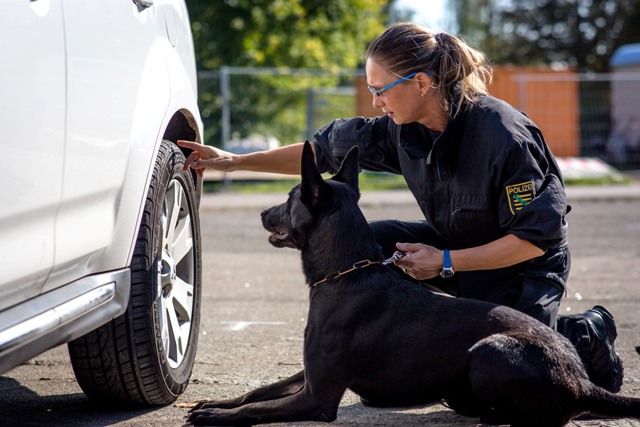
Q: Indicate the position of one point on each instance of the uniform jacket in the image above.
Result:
(488, 174)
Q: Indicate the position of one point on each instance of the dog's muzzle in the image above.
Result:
(272, 219)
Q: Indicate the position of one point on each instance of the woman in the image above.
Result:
(488, 186)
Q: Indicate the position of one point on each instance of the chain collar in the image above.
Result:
(357, 266)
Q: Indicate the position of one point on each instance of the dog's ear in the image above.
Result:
(312, 181)
(349, 169)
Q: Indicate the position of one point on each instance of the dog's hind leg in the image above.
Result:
(465, 402)
(286, 387)
(526, 390)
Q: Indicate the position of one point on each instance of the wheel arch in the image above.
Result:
(183, 125)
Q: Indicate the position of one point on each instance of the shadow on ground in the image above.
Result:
(20, 406)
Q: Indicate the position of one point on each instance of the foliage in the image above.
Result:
(581, 34)
(329, 35)
(284, 33)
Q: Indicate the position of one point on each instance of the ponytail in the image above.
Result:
(406, 47)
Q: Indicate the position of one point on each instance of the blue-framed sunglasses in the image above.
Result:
(378, 92)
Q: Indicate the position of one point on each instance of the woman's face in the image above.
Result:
(402, 102)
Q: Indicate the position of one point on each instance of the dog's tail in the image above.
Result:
(601, 402)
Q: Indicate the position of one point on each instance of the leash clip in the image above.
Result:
(396, 256)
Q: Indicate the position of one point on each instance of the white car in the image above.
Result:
(99, 228)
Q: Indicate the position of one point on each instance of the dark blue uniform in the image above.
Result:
(488, 174)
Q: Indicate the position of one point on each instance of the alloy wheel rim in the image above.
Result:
(176, 273)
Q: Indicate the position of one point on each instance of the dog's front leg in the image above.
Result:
(283, 388)
(302, 406)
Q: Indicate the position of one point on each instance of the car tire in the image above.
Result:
(145, 356)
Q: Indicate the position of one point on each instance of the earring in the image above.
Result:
(422, 94)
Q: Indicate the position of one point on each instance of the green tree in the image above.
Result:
(320, 34)
(578, 33)
(284, 33)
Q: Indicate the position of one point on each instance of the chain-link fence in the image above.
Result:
(266, 103)
(590, 115)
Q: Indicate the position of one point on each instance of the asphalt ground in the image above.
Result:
(255, 305)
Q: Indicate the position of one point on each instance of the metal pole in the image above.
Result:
(522, 92)
(226, 114)
(310, 112)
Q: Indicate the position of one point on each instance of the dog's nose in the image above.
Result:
(263, 213)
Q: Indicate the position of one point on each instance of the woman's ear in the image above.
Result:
(424, 82)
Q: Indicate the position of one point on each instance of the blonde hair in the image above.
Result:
(406, 47)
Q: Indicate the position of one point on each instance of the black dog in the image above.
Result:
(394, 342)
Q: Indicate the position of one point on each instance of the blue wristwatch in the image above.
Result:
(447, 269)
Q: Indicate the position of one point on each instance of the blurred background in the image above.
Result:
(271, 72)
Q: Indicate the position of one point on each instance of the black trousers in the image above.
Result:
(534, 288)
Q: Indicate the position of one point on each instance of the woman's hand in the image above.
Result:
(206, 156)
(422, 261)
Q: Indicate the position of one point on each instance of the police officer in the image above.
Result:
(491, 192)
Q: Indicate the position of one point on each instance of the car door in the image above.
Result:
(107, 45)
(32, 118)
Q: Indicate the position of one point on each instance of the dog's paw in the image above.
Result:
(198, 417)
(209, 417)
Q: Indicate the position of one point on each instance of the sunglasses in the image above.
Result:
(378, 92)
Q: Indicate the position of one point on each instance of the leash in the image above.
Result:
(358, 266)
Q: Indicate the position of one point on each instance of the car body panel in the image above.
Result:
(32, 111)
(95, 216)
(103, 99)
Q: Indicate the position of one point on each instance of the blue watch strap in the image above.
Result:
(447, 259)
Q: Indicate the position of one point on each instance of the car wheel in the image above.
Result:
(146, 356)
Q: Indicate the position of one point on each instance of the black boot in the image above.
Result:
(605, 366)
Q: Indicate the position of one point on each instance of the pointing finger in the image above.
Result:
(188, 144)
(194, 156)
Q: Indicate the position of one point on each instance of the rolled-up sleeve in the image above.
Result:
(333, 141)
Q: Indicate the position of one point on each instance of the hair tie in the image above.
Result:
(439, 38)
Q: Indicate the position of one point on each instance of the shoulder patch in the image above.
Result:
(519, 195)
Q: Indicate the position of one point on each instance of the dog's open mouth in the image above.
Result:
(279, 235)
(276, 221)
